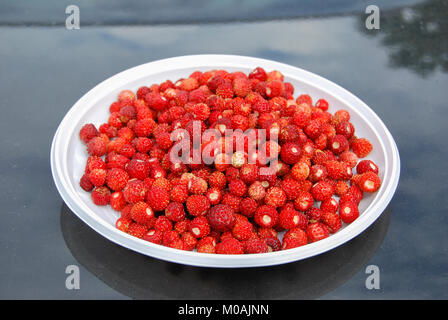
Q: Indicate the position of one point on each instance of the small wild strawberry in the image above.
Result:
(277, 184)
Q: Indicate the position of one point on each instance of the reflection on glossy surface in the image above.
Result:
(44, 71)
(416, 37)
(136, 12)
(142, 277)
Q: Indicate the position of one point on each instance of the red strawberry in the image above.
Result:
(182, 226)
(340, 116)
(171, 239)
(349, 157)
(289, 133)
(197, 186)
(179, 193)
(205, 248)
(346, 171)
(322, 190)
(123, 224)
(290, 218)
(162, 183)
(317, 231)
(164, 141)
(237, 187)
(163, 224)
(117, 179)
(318, 172)
(137, 230)
(274, 88)
(97, 146)
(221, 217)
(366, 166)
(211, 240)
(242, 230)
(126, 96)
(189, 241)
(273, 244)
(331, 220)
(369, 182)
(300, 171)
(232, 201)
(175, 211)
(266, 216)
(361, 147)
(206, 245)
(98, 177)
(214, 196)
(155, 101)
(87, 132)
(334, 169)
(229, 246)
(138, 169)
(346, 129)
(217, 179)
(290, 152)
(291, 188)
(101, 196)
(158, 198)
(199, 227)
(197, 205)
(241, 87)
(330, 205)
(304, 201)
(348, 211)
(85, 183)
(144, 127)
(256, 191)
(294, 238)
(142, 213)
(117, 201)
(313, 129)
(341, 188)
(225, 90)
(322, 104)
(255, 245)
(267, 233)
(126, 211)
(304, 98)
(115, 160)
(187, 84)
(355, 193)
(338, 144)
(275, 197)
(154, 236)
(248, 207)
(313, 214)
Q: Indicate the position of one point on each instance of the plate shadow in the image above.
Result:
(141, 277)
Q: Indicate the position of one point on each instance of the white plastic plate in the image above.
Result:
(68, 155)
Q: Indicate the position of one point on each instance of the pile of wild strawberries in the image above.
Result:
(229, 206)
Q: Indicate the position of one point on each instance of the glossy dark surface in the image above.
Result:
(400, 71)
